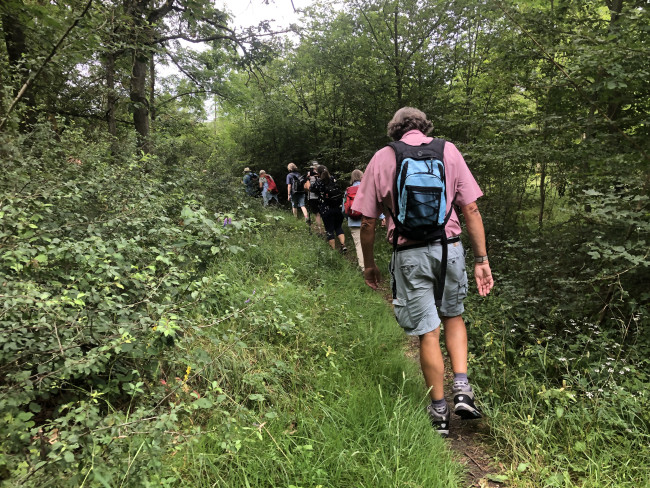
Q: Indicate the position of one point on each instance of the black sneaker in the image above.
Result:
(440, 421)
(464, 405)
(344, 249)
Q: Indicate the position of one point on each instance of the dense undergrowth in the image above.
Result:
(158, 329)
(561, 350)
(158, 333)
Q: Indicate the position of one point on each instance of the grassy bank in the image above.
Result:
(308, 378)
(158, 330)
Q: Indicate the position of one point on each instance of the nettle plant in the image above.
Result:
(100, 263)
(568, 360)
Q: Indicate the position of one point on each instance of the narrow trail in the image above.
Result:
(469, 440)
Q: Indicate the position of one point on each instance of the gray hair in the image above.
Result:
(356, 175)
(406, 119)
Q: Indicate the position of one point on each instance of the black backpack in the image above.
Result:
(331, 195)
(298, 184)
(420, 190)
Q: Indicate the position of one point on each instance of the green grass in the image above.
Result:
(566, 409)
(335, 401)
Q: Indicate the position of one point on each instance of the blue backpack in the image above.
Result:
(421, 199)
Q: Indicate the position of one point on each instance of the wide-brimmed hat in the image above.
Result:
(246, 170)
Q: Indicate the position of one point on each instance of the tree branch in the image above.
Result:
(232, 36)
(194, 92)
(31, 79)
(158, 14)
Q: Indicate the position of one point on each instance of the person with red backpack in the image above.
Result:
(354, 217)
(269, 188)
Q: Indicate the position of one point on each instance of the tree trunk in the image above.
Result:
(613, 107)
(398, 71)
(111, 98)
(542, 195)
(139, 98)
(152, 87)
(17, 52)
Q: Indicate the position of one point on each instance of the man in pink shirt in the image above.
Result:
(416, 264)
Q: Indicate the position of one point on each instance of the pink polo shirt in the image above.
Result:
(378, 184)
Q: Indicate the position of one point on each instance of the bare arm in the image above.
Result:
(367, 236)
(474, 223)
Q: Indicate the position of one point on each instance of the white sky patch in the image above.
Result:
(248, 13)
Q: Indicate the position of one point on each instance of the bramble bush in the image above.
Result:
(100, 262)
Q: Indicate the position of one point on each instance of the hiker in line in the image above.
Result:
(416, 264)
(296, 191)
(312, 198)
(354, 218)
(250, 182)
(329, 206)
(269, 190)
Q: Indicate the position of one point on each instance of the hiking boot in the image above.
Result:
(440, 421)
(464, 405)
(344, 249)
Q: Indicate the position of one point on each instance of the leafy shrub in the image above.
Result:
(100, 262)
(561, 350)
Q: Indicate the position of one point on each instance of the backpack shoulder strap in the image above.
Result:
(402, 150)
(438, 145)
(398, 147)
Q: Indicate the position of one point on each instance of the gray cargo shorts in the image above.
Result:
(416, 274)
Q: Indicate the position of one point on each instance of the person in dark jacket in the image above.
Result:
(329, 206)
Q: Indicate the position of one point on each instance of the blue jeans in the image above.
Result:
(268, 196)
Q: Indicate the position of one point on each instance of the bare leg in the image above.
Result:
(456, 342)
(431, 362)
(304, 212)
(332, 243)
(342, 239)
(356, 238)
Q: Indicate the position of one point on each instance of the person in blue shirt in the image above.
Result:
(297, 197)
(250, 182)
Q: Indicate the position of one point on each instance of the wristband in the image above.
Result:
(480, 259)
